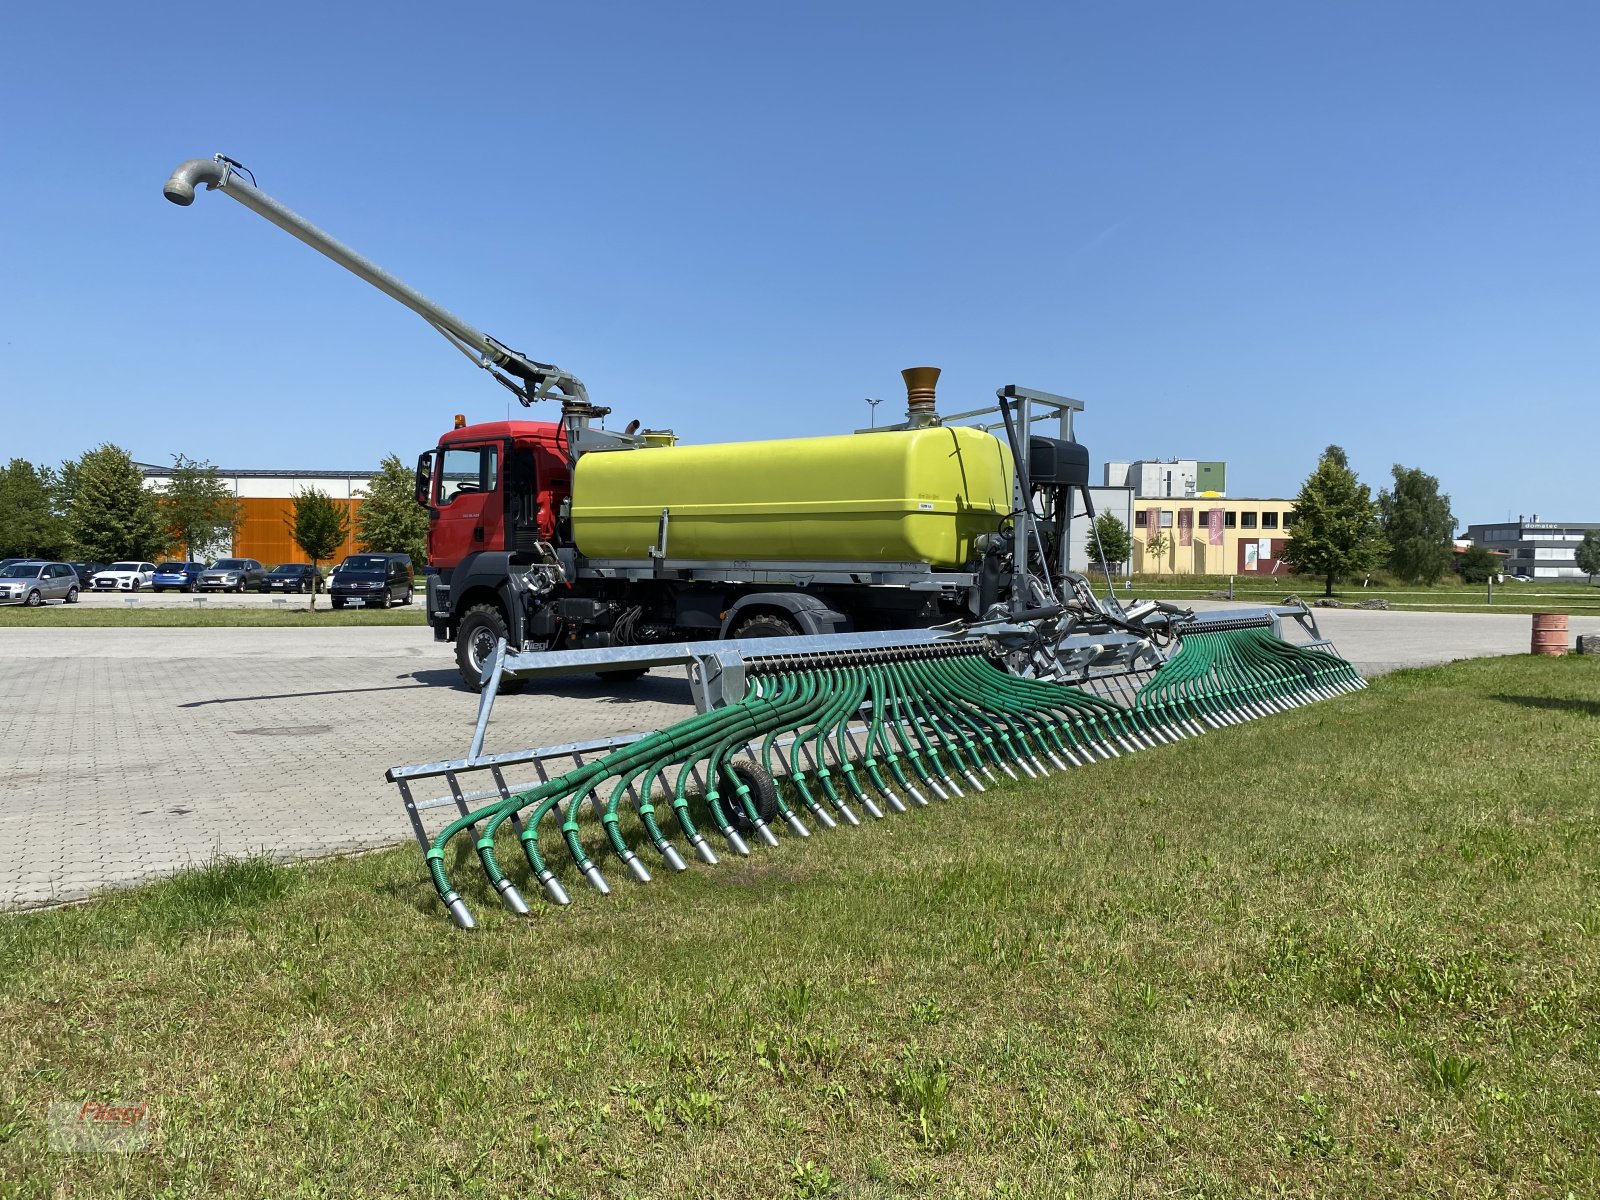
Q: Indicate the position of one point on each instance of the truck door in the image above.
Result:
(468, 504)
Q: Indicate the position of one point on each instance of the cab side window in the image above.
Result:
(468, 472)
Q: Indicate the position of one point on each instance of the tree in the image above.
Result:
(1111, 542)
(28, 523)
(319, 527)
(1336, 529)
(390, 520)
(1478, 565)
(1156, 548)
(1589, 554)
(1418, 525)
(114, 516)
(198, 506)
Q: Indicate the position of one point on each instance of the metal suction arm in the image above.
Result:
(530, 380)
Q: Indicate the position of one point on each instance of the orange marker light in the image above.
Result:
(461, 420)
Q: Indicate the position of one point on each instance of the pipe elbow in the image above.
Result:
(181, 184)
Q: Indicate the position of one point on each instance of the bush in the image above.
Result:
(1477, 565)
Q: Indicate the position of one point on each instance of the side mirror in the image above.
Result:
(424, 477)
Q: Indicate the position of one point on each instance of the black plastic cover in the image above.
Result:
(1053, 461)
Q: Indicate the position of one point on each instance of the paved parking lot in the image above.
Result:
(127, 753)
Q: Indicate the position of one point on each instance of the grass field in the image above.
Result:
(1351, 950)
(58, 616)
(1575, 599)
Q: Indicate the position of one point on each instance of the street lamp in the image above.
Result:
(874, 404)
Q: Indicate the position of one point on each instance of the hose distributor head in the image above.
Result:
(920, 410)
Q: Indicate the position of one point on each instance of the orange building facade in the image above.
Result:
(266, 504)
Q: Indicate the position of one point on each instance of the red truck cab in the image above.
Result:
(498, 486)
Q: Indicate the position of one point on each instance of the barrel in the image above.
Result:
(1550, 634)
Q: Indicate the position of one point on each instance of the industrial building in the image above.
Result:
(1535, 548)
(266, 503)
(1212, 536)
(1169, 478)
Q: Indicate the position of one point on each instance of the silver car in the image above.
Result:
(36, 583)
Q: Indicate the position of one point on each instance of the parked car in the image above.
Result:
(87, 571)
(183, 576)
(35, 583)
(124, 577)
(232, 575)
(363, 579)
(292, 577)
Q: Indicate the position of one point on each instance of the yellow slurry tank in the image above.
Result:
(916, 495)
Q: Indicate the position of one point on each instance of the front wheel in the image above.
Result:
(72, 595)
(137, 584)
(480, 629)
(35, 599)
(189, 587)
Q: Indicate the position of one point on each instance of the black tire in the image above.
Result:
(72, 595)
(35, 599)
(137, 584)
(299, 589)
(623, 674)
(190, 587)
(408, 596)
(765, 625)
(481, 627)
(763, 794)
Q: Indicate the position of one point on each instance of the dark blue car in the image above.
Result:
(184, 576)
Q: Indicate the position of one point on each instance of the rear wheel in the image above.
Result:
(765, 625)
(408, 597)
(72, 595)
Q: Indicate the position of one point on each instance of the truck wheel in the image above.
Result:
(763, 794)
(480, 629)
(765, 625)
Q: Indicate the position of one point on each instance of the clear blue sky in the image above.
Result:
(1235, 231)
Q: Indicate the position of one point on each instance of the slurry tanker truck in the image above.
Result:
(562, 535)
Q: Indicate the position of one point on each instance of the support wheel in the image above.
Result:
(765, 625)
(72, 595)
(763, 794)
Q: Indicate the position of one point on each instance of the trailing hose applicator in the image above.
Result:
(871, 729)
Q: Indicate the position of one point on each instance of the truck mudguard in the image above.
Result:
(812, 614)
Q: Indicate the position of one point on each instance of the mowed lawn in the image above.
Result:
(1352, 950)
(1575, 598)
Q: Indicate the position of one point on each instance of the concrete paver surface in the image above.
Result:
(129, 753)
